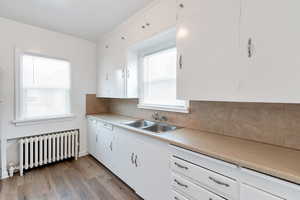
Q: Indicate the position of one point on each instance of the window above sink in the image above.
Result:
(158, 74)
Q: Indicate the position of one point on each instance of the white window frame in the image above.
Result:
(141, 104)
(18, 121)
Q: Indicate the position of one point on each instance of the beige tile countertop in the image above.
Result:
(273, 160)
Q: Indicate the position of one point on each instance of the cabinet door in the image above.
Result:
(119, 64)
(106, 149)
(92, 137)
(132, 75)
(136, 29)
(160, 17)
(104, 66)
(250, 193)
(125, 144)
(208, 48)
(270, 29)
(111, 65)
(152, 169)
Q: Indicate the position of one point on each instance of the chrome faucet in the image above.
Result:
(157, 117)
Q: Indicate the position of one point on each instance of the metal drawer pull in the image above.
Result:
(110, 146)
(250, 50)
(180, 62)
(135, 161)
(132, 155)
(219, 182)
(180, 184)
(176, 198)
(181, 166)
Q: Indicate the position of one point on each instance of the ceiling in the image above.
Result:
(87, 19)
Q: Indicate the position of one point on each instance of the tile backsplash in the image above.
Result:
(96, 105)
(277, 124)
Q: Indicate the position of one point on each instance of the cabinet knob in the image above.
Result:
(181, 5)
(128, 73)
(148, 24)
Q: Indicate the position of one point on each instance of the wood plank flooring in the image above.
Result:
(84, 179)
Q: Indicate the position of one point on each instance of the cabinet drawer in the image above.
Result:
(250, 193)
(177, 196)
(217, 183)
(271, 185)
(108, 126)
(191, 190)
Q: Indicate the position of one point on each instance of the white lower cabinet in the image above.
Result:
(152, 169)
(200, 177)
(192, 190)
(156, 170)
(251, 193)
(92, 136)
(221, 184)
(105, 145)
(140, 161)
(177, 196)
(255, 185)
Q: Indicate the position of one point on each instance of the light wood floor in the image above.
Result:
(68, 180)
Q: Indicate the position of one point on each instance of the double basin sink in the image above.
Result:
(155, 127)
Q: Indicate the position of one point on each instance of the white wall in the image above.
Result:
(81, 54)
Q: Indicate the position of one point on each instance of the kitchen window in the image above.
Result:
(42, 88)
(158, 81)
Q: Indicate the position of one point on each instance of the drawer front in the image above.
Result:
(219, 166)
(269, 184)
(217, 183)
(177, 196)
(191, 190)
(250, 193)
(108, 126)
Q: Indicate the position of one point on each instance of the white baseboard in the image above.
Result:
(83, 153)
(4, 175)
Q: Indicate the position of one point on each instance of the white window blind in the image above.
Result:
(44, 87)
(159, 80)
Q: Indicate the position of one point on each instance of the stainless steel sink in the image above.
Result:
(140, 123)
(160, 128)
(155, 127)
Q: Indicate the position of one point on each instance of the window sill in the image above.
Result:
(165, 108)
(43, 120)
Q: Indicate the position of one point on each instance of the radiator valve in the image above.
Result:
(11, 169)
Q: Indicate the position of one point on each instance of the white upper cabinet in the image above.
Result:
(117, 68)
(114, 74)
(160, 17)
(208, 48)
(156, 18)
(270, 51)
